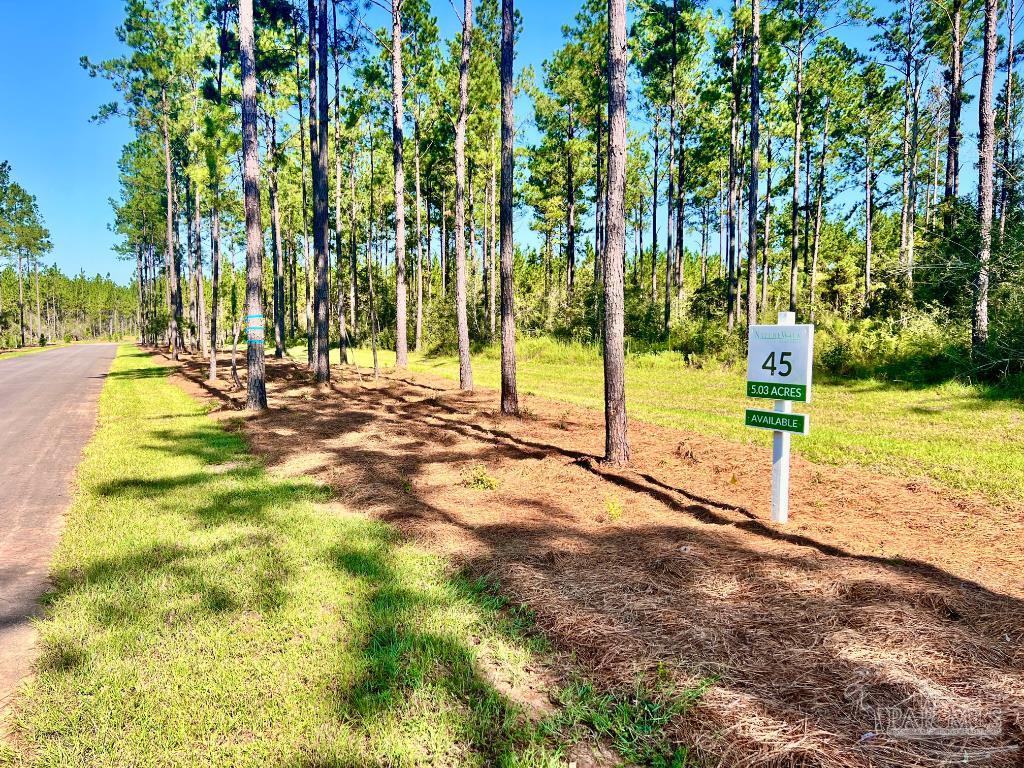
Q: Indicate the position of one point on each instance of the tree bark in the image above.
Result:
(353, 255)
(21, 296)
(173, 284)
(419, 240)
(305, 205)
(339, 251)
(680, 258)
(492, 239)
(257, 391)
(794, 235)
(767, 236)
(509, 391)
(654, 214)
(398, 159)
(986, 151)
(755, 148)
(465, 368)
(444, 243)
(1008, 127)
(321, 223)
(819, 209)
(955, 77)
(570, 209)
(616, 443)
(868, 214)
(733, 287)
(670, 200)
(214, 283)
(275, 237)
(905, 141)
(140, 294)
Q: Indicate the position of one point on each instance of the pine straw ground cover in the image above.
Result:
(883, 627)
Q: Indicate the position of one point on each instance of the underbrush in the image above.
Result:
(921, 350)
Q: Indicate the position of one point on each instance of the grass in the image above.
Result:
(965, 437)
(206, 612)
(632, 721)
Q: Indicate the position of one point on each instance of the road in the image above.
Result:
(47, 415)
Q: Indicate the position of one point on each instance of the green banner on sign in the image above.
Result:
(797, 423)
(795, 392)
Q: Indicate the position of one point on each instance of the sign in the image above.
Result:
(780, 361)
(797, 423)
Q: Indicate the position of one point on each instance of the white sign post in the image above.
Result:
(779, 367)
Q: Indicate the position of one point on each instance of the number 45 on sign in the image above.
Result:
(779, 367)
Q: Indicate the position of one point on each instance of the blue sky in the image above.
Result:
(70, 164)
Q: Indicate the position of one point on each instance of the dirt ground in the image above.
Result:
(884, 626)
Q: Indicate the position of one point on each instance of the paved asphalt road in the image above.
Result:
(47, 415)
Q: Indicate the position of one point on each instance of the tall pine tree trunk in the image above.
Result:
(680, 257)
(214, 282)
(1008, 126)
(794, 234)
(509, 391)
(986, 151)
(465, 369)
(353, 255)
(493, 238)
(275, 237)
(570, 209)
(734, 160)
(173, 283)
(321, 224)
(955, 76)
(869, 184)
(616, 443)
(398, 159)
(305, 204)
(419, 240)
(339, 250)
(755, 148)
(819, 208)
(21, 297)
(257, 390)
(197, 223)
(654, 213)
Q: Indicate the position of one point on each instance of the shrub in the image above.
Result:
(922, 349)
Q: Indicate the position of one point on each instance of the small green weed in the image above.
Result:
(613, 508)
(478, 479)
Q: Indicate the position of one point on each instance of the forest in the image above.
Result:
(39, 304)
(810, 157)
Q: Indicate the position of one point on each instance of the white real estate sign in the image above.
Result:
(780, 360)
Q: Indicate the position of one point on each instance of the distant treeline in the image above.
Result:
(50, 305)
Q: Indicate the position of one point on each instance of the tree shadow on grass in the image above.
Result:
(229, 549)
